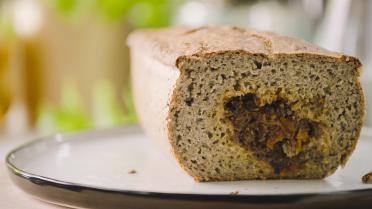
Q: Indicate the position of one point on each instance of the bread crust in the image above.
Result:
(172, 45)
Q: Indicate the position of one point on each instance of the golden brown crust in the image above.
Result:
(169, 45)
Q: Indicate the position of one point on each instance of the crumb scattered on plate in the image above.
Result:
(367, 178)
(234, 193)
(132, 171)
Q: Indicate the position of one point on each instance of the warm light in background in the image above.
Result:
(27, 17)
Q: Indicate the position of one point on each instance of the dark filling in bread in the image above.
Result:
(272, 132)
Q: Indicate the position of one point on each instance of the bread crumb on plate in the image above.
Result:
(234, 193)
(367, 178)
(132, 171)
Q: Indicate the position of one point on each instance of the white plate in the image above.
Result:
(97, 165)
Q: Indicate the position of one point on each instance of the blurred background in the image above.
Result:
(64, 64)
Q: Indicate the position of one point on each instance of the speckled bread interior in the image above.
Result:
(234, 104)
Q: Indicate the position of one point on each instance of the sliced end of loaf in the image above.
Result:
(235, 115)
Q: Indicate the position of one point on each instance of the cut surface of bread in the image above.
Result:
(247, 104)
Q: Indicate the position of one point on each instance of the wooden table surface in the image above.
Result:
(11, 197)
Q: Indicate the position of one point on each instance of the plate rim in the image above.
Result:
(251, 198)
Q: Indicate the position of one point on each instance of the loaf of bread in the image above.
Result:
(235, 104)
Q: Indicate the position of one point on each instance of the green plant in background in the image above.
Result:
(72, 115)
(66, 6)
(69, 116)
(130, 116)
(106, 110)
(140, 13)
